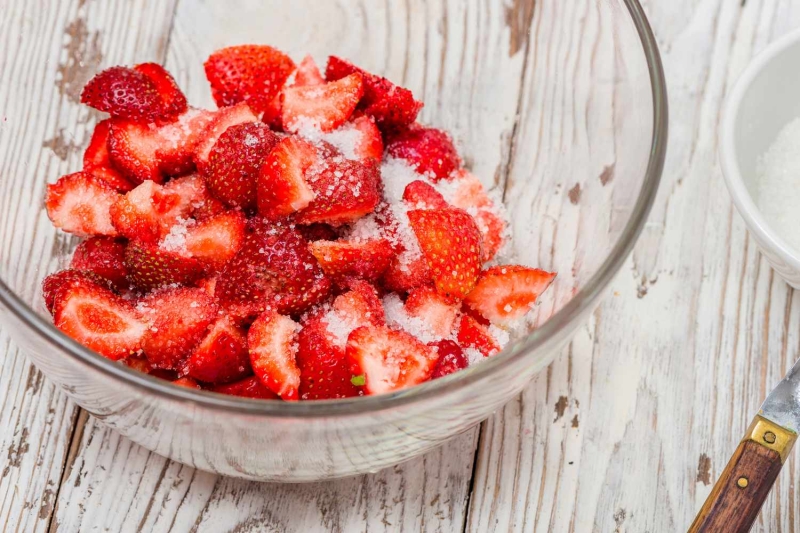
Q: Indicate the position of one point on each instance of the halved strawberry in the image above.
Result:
(124, 92)
(451, 245)
(272, 270)
(96, 160)
(391, 106)
(222, 356)
(247, 388)
(132, 149)
(362, 259)
(103, 256)
(178, 140)
(79, 203)
(471, 334)
(438, 312)
(428, 150)
(54, 282)
(215, 240)
(149, 211)
(404, 276)
(345, 191)
(323, 107)
(308, 73)
(177, 320)
(468, 193)
(222, 120)
(150, 267)
(97, 318)
(451, 358)
(324, 370)
(370, 143)
(389, 360)
(359, 306)
(272, 342)
(188, 383)
(281, 186)
(505, 293)
(191, 197)
(421, 195)
(173, 101)
(235, 160)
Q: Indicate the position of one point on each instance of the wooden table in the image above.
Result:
(626, 431)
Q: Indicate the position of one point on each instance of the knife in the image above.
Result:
(740, 491)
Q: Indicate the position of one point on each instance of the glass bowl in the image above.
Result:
(561, 106)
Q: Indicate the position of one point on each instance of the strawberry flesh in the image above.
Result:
(428, 150)
(222, 356)
(438, 312)
(79, 203)
(219, 124)
(421, 195)
(472, 334)
(272, 342)
(345, 191)
(281, 184)
(451, 358)
(324, 370)
(308, 73)
(340, 259)
(97, 161)
(216, 240)
(55, 282)
(103, 256)
(503, 294)
(322, 107)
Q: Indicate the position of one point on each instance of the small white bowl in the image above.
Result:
(763, 101)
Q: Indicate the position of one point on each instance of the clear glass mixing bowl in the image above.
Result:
(561, 105)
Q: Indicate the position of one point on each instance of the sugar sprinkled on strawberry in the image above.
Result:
(504, 294)
(428, 150)
(272, 341)
(79, 203)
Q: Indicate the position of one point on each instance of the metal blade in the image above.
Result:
(782, 406)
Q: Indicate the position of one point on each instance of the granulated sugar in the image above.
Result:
(779, 184)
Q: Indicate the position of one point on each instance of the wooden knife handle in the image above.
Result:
(739, 493)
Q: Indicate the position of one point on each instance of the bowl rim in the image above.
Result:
(729, 163)
(574, 309)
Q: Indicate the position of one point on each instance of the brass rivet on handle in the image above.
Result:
(742, 482)
(769, 437)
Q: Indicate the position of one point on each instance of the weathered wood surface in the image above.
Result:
(626, 431)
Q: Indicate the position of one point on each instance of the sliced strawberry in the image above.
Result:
(472, 334)
(389, 360)
(208, 284)
(235, 160)
(54, 282)
(247, 73)
(391, 106)
(360, 306)
(188, 383)
(79, 203)
(364, 259)
(438, 312)
(469, 194)
(96, 159)
(322, 107)
(308, 73)
(505, 293)
(272, 270)
(428, 150)
(216, 240)
(405, 276)
(178, 319)
(281, 185)
(369, 144)
(451, 358)
(421, 195)
(124, 92)
(222, 356)
(493, 229)
(345, 191)
(272, 341)
(247, 388)
(190, 196)
(318, 232)
(173, 101)
(272, 114)
(150, 267)
(132, 149)
(179, 139)
(451, 245)
(139, 362)
(324, 370)
(97, 318)
(222, 120)
(103, 256)
(149, 211)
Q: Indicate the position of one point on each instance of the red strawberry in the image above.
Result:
(429, 150)
(470, 195)
(451, 358)
(451, 245)
(308, 73)
(421, 195)
(149, 211)
(178, 140)
(324, 370)
(345, 191)
(188, 383)
(79, 203)
(323, 107)
(360, 306)
(272, 270)
(438, 312)
(391, 106)
(55, 282)
(208, 284)
(173, 101)
(235, 160)
(247, 388)
(272, 343)
(191, 197)
(140, 363)
(318, 232)
(247, 73)
(272, 114)
(471, 334)
(222, 356)
(340, 259)
(151, 267)
(506, 293)
(124, 92)
(403, 277)
(103, 256)
(178, 319)
(222, 120)
(389, 360)
(97, 318)
(281, 186)
(132, 149)
(96, 160)
(215, 240)
(370, 143)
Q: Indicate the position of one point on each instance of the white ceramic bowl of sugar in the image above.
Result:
(761, 170)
